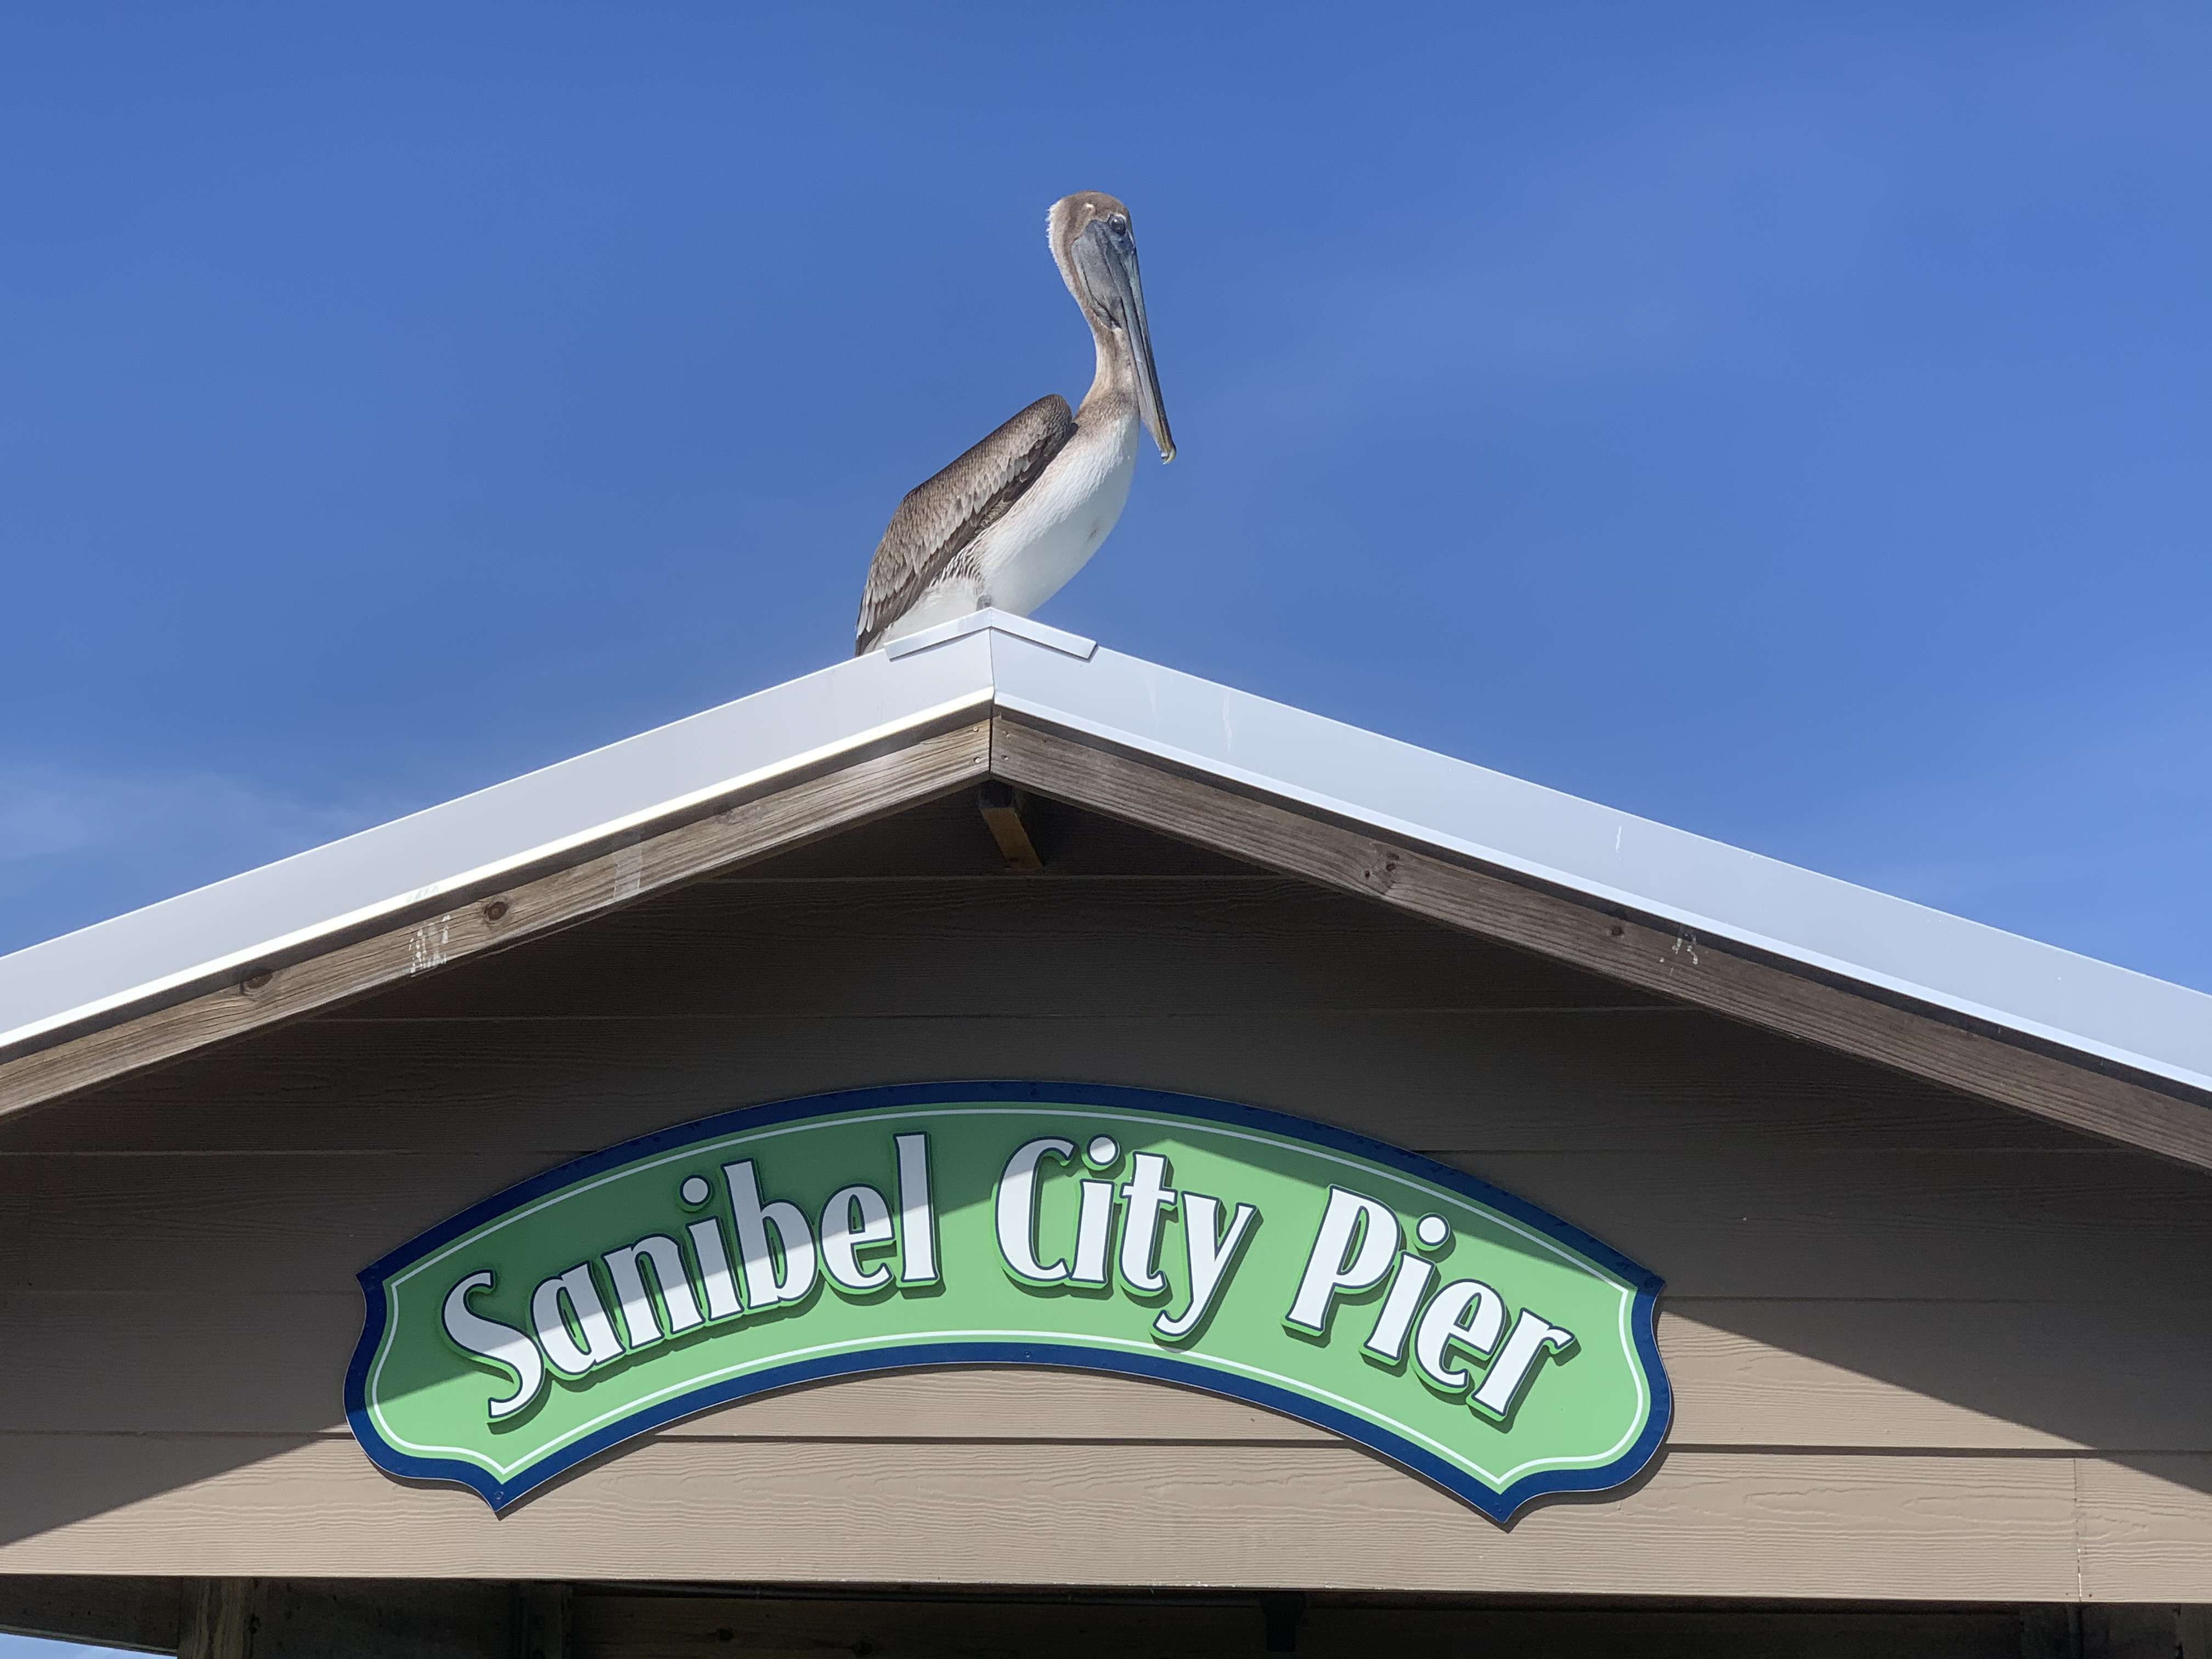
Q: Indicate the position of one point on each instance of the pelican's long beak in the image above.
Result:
(1108, 260)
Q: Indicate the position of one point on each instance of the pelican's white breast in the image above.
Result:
(1051, 532)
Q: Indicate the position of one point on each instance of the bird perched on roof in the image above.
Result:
(1009, 522)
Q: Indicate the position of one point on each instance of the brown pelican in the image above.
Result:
(1009, 522)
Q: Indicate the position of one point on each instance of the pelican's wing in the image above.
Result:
(939, 518)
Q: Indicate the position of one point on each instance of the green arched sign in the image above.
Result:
(1466, 1334)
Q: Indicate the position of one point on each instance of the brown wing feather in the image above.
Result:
(943, 515)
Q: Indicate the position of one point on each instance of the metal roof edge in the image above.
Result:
(1705, 887)
(993, 622)
(2056, 998)
(279, 908)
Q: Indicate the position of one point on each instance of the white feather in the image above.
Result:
(1048, 535)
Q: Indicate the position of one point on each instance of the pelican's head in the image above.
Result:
(1096, 253)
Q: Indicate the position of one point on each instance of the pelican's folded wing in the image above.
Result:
(942, 516)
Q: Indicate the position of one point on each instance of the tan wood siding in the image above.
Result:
(1661, 1080)
(1910, 1332)
(2047, 1227)
(2146, 1522)
(1874, 1376)
(1704, 1523)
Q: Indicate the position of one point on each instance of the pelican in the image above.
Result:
(1009, 522)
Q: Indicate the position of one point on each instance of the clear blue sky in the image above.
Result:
(1790, 422)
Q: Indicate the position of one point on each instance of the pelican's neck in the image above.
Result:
(1114, 382)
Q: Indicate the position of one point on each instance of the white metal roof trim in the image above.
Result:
(1703, 886)
(478, 838)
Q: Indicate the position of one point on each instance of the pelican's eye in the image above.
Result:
(1118, 220)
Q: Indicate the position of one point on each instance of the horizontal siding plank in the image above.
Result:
(1997, 1225)
(1014, 946)
(2012, 1376)
(1659, 1081)
(1316, 1516)
(2146, 1529)
(1887, 1376)
(2000, 1226)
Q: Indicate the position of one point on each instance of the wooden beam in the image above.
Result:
(1002, 805)
(1653, 955)
(619, 1625)
(312, 1618)
(116, 1612)
(433, 1618)
(2139, 1630)
(544, 1615)
(218, 1618)
(744, 828)
(615, 1624)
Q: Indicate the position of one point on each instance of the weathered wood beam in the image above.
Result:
(745, 828)
(218, 1618)
(116, 1612)
(316, 1617)
(2114, 1631)
(1003, 809)
(1706, 973)
(542, 1615)
(613, 1624)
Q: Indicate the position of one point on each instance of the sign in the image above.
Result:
(1464, 1333)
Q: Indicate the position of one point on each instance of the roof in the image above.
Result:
(1006, 673)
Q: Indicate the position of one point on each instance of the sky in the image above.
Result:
(1789, 423)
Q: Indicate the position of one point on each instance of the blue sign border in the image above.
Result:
(1499, 1506)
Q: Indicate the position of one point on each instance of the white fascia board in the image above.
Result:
(1706, 888)
(475, 841)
